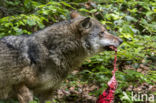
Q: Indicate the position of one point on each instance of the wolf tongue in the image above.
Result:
(113, 47)
(108, 95)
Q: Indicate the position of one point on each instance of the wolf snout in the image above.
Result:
(112, 43)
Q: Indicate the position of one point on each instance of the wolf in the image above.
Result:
(35, 65)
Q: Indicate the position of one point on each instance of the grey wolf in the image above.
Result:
(35, 65)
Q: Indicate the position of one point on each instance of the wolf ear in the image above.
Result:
(86, 23)
(74, 14)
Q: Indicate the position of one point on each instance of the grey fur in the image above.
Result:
(40, 62)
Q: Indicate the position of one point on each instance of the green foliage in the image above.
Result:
(44, 15)
(16, 25)
(132, 20)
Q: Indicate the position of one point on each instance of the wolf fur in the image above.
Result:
(36, 64)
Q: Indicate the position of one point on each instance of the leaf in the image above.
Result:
(18, 30)
(130, 18)
(93, 11)
(33, 102)
(27, 3)
(128, 29)
(66, 4)
(7, 24)
(115, 16)
(41, 26)
(82, 9)
(31, 22)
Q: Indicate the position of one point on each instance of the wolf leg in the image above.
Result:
(46, 96)
(24, 94)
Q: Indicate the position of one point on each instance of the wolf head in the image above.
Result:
(94, 37)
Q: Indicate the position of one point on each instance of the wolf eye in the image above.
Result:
(101, 34)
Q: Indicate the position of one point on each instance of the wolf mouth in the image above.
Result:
(110, 48)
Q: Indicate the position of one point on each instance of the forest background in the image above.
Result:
(132, 20)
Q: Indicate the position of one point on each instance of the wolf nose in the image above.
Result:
(120, 41)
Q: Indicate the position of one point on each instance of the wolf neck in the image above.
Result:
(74, 54)
(69, 52)
(63, 46)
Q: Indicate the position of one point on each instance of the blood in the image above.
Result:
(108, 95)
